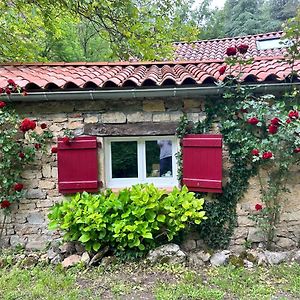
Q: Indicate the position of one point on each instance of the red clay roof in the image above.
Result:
(199, 64)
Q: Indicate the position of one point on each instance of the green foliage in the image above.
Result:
(136, 219)
(19, 146)
(91, 30)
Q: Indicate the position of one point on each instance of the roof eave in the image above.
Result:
(142, 93)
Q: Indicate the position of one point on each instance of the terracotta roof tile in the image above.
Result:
(197, 62)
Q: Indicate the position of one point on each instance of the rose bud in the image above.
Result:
(231, 51)
(5, 204)
(54, 150)
(222, 70)
(253, 121)
(18, 187)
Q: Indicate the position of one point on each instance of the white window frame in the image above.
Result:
(141, 153)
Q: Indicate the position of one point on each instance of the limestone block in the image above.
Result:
(196, 117)
(53, 193)
(16, 240)
(28, 174)
(47, 185)
(44, 204)
(36, 242)
(46, 171)
(153, 105)
(36, 218)
(173, 104)
(163, 117)
(245, 221)
(74, 125)
(25, 229)
(91, 119)
(176, 116)
(90, 105)
(35, 194)
(59, 118)
(113, 117)
(27, 206)
(54, 172)
(255, 235)
(286, 243)
(139, 117)
(192, 103)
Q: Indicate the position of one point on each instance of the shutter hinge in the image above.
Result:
(99, 145)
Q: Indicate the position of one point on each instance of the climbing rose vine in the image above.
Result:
(266, 131)
(20, 140)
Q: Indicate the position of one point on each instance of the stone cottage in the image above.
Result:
(134, 106)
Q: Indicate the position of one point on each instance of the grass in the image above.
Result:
(138, 281)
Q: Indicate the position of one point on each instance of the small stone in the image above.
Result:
(197, 259)
(35, 219)
(114, 117)
(85, 258)
(255, 235)
(56, 259)
(35, 194)
(219, 258)
(169, 253)
(153, 105)
(51, 253)
(275, 258)
(46, 171)
(71, 261)
(248, 264)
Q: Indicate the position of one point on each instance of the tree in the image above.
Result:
(142, 29)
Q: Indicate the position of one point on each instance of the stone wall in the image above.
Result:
(27, 225)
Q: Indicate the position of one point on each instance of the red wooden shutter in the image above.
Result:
(77, 165)
(202, 162)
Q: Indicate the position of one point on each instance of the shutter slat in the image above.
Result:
(202, 162)
(77, 165)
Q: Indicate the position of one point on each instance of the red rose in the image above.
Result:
(21, 155)
(258, 206)
(231, 51)
(1, 90)
(18, 187)
(294, 114)
(267, 155)
(24, 93)
(288, 121)
(253, 121)
(37, 146)
(66, 140)
(297, 150)
(7, 91)
(5, 204)
(255, 152)
(43, 125)
(27, 124)
(222, 70)
(11, 82)
(272, 129)
(2, 104)
(54, 150)
(243, 48)
(275, 121)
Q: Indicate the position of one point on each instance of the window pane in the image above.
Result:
(124, 159)
(159, 158)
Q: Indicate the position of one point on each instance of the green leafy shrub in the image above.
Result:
(138, 218)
